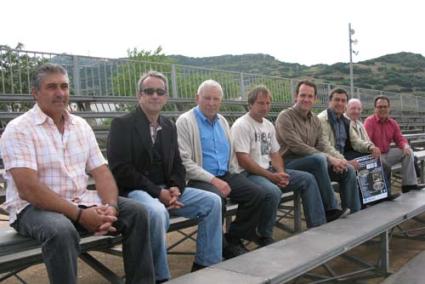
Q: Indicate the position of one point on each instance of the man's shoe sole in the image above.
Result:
(345, 213)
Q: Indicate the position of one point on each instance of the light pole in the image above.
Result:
(351, 42)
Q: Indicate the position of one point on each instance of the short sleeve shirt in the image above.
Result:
(255, 138)
(33, 141)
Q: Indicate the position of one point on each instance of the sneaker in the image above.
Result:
(264, 241)
(333, 214)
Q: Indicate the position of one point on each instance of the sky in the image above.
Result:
(298, 31)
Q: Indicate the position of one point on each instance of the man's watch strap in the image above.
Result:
(114, 205)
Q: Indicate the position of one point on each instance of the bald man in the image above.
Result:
(353, 112)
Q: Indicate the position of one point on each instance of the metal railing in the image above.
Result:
(95, 76)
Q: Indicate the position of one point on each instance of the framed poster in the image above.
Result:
(371, 179)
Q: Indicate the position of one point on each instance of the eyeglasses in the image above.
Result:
(151, 91)
(381, 107)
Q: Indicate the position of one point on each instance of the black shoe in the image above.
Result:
(393, 196)
(333, 214)
(264, 241)
(196, 267)
(407, 188)
(233, 248)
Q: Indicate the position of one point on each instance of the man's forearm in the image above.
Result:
(277, 162)
(248, 164)
(39, 194)
(105, 185)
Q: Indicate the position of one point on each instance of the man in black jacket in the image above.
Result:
(144, 158)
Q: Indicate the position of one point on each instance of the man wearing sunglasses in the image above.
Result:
(144, 158)
(47, 153)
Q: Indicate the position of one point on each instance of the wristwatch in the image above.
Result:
(116, 208)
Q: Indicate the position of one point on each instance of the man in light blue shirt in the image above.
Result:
(215, 147)
(206, 150)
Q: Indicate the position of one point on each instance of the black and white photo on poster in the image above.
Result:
(371, 179)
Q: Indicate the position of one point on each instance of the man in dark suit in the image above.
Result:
(144, 158)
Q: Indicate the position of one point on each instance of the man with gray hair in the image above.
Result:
(144, 157)
(46, 153)
(353, 112)
(206, 148)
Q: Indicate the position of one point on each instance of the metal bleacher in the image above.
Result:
(103, 89)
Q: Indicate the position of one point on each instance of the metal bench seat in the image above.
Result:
(290, 258)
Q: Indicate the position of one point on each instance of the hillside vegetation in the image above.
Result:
(402, 72)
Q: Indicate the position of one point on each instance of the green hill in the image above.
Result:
(402, 72)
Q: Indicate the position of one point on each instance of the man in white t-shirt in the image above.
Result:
(257, 151)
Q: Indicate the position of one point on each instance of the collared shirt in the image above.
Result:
(382, 133)
(154, 129)
(300, 135)
(214, 144)
(339, 131)
(33, 141)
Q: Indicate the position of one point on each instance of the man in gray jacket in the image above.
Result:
(207, 153)
(345, 142)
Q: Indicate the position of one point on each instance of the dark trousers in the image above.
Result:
(351, 155)
(59, 239)
(250, 199)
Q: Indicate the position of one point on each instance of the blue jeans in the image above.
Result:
(317, 165)
(348, 188)
(298, 181)
(198, 204)
(59, 238)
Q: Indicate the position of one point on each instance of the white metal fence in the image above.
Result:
(94, 76)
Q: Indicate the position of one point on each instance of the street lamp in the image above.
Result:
(351, 42)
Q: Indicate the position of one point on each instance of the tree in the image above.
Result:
(16, 71)
(138, 62)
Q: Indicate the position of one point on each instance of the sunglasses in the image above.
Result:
(151, 91)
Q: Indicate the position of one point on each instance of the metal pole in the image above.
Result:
(242, 86)
(351, 60)
(174, 81)
(76, 75)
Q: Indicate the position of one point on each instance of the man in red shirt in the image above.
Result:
(384, 130)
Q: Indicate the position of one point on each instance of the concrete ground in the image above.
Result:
(402, 250)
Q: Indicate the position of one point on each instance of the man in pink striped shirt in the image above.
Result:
(46, 153)
(383, 130)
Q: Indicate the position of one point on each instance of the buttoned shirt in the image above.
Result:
(154, 129)
(214, 144)
(339, 131)
(299, 134)
(383, 132)
(33, 141)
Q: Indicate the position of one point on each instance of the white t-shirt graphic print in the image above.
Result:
(255, 138)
